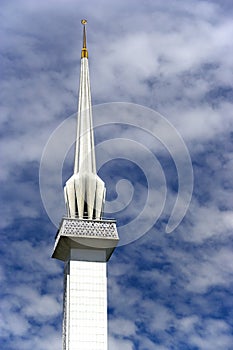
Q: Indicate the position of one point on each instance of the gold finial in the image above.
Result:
(84, 52)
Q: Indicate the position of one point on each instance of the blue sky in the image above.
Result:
(166, 291)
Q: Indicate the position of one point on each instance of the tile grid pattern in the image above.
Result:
(85, 306)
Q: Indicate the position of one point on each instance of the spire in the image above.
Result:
(84, 191)
(84, 52)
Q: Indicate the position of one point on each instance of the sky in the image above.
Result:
(162, 91)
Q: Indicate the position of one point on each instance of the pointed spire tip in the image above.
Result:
(84, 52)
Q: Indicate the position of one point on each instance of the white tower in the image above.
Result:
(84, 240)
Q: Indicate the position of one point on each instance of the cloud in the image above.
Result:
(31, 299)
(125, 344)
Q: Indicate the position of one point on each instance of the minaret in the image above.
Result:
(85, 241)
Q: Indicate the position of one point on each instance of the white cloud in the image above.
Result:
(216, 334)
(122, 327)
(115, 344)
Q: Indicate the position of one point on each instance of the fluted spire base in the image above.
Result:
(84, 196)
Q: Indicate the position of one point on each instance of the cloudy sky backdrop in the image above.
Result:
(166, 291)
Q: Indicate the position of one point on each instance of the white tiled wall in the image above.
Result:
(86, 306)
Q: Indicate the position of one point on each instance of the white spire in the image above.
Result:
(84, 191)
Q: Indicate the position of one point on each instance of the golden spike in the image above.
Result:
(84, 52)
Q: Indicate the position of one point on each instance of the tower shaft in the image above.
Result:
(84, 240)
(85, 303)
(85, 246)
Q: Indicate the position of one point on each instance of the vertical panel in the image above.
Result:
(86, 306)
